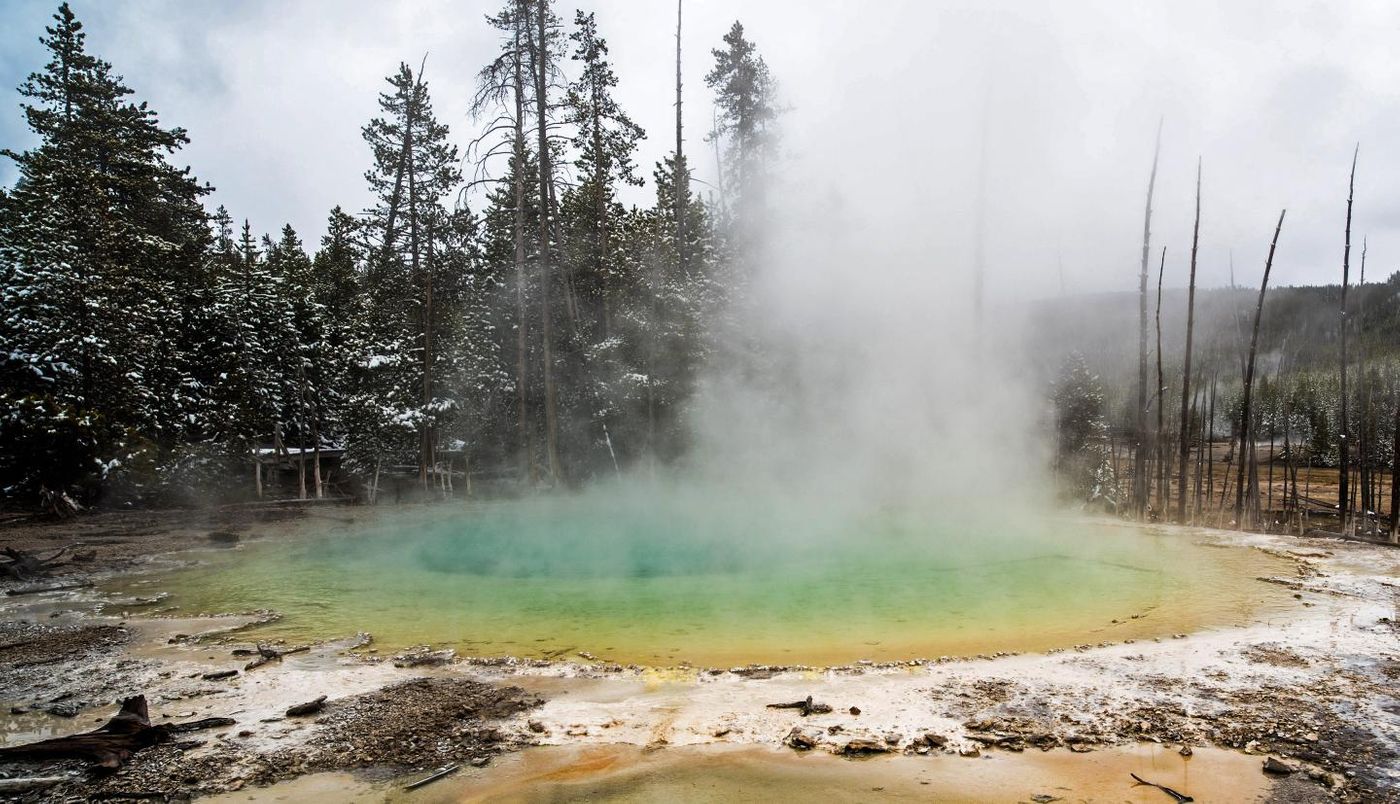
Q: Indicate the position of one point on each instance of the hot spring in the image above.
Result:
(675, 579)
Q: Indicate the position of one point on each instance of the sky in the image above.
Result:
(897, 112)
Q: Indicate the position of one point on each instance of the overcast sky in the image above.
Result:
(891, 105)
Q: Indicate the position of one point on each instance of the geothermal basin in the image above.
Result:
(684, 581)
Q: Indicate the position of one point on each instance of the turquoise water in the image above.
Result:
(671, 581)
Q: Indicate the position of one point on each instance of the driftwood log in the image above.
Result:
(308, 708)
(58, 503)
(1180, 798)
(22, 566)
(267, 653)
(806, 707)
(113, 744)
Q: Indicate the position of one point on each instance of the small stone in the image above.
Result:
(63, 710)
(478, 762)
(970, 752)
(1278, 767)
(1186, 751)
(800, 740)
(535, 726)
(855, 710)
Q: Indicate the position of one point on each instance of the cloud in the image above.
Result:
(888, 103)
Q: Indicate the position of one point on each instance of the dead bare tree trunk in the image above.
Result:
(1246, 442)
(1158, 450)
(1184, 449)
(316, 449)
(1395, 466)
(113, 744)
(680, 180)
(1343, 499)
(522, 376)
(1140, 420)
(427, 457)
(551, 414)
(1210, 442)
(415, 264)
(1364, 434)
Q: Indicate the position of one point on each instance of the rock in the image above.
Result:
(722, 732)
(800, 740)
(892, 738)
(1186, 751)
(223, 537)
(424, 656)
(971, 751)
(855, 710)
(219, 674)
(935, 740)
(480, 762)
(860, 746)
(535, 726)
(1278, 767)
(63, 710)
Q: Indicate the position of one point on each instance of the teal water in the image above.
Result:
(670, 582)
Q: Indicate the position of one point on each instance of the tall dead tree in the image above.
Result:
(425, 449)
(1395, 466)
(1343, 500)
(680, 180)
(1246, 451)
(1140, 420)
(540, 50)
(1364, 434)
(1159, 452)
(522, 374)
(1184, 447)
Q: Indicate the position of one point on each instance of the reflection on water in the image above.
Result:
(667, 583)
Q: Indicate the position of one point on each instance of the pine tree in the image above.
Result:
(745, 96)
(605, 140)
(1080, 428)
(415, 169)
(102, 238)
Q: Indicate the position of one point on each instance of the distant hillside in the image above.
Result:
(1299, 328)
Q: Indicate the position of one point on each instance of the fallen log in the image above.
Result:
(308, 708)
(112, 744)
(806, 707)
(23, 566)
(1180, 798)
(28, 784)
(427, 780)
(266, 653)
(39, 590)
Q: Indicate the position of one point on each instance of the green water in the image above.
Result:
(717, 583)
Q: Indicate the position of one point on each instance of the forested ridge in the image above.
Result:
(497, 315)
(1300, 386)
